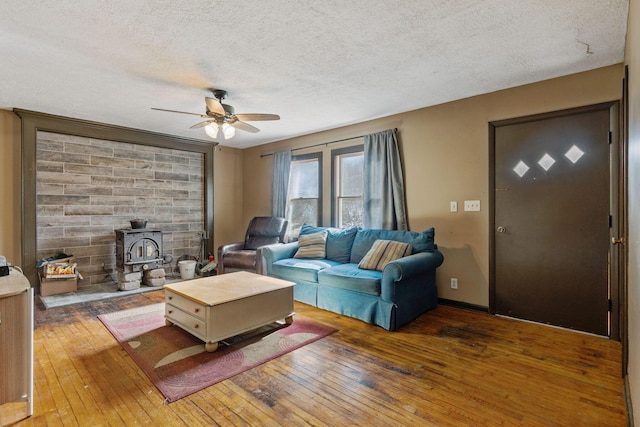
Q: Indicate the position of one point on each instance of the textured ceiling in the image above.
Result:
(319, 64)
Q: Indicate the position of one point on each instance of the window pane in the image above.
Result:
(348, 186)
(304, 192)
(351, 174)
(302, 211)
(350, 212)
(303, 179)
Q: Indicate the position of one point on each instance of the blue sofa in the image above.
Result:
(403, 290)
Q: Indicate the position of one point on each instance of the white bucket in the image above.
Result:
(187, 269)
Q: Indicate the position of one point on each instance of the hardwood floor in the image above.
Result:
(450, 367)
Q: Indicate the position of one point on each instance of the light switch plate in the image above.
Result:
(453, 206)
(472, 205)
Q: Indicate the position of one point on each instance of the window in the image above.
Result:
(348, 178)
(305, 189)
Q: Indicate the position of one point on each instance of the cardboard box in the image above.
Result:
(57, 286)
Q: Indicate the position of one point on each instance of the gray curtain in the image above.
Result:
(280, 183)
(384, 202)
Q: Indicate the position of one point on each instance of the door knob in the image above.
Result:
(617, 241)
(502, 229)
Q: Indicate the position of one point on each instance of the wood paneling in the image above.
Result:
(32, 123)
(450, 367)
(86, 190)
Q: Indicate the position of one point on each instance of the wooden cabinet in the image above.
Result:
(16, 340)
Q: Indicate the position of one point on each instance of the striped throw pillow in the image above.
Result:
(312, 245)
(383, 252)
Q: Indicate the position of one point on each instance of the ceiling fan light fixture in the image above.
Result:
(228, 131)
(212, 130)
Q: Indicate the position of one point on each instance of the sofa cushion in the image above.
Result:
(383, 252)
(339, 241)
(349, 276)
(420, 242)
(296, 269)
(312, 245)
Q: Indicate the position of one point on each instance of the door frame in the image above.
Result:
(623, 255)
(616, 166)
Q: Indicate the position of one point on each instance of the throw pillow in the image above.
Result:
(339, 241)
(312, 245)
(383, 252)
(420, 242)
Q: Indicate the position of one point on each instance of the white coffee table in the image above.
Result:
(218, 307)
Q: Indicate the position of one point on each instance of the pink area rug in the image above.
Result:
(176, 361)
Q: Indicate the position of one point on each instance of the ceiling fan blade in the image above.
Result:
(215, 106)
(244, 126)
(202, 124)
(181, 112)
(257, 117)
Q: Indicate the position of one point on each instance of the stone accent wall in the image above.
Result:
(87, 188)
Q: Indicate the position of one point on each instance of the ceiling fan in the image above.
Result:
(221, 120)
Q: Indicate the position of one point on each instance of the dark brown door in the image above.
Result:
(551, 219)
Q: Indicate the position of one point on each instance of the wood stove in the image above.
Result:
(138, 249)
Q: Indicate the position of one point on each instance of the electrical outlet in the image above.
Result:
(472, 205)
(454, 283)
(453, 206)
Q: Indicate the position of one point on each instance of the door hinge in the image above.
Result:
(610, 137)
(610, 306)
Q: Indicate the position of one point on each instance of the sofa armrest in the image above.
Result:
(261, 264)
(272, 253)
(411, 271)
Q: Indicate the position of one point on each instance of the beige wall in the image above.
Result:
(228, 225)
(632, 59)
(10, 187)
(445, 153)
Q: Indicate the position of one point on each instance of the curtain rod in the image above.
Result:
(323, 143)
